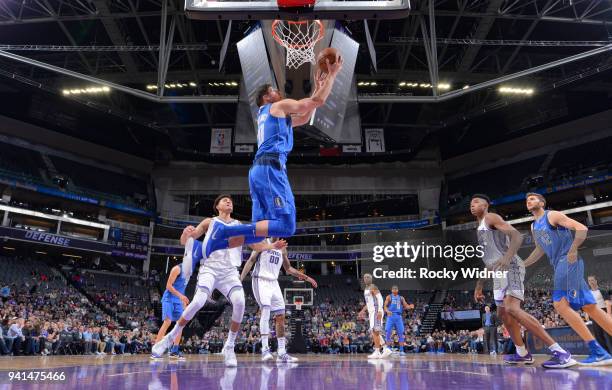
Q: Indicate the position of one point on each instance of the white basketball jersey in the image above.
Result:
(269, 264)
(227, 258)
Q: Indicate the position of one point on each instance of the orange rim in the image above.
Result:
(299, 22)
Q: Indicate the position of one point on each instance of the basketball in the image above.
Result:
(330, 54)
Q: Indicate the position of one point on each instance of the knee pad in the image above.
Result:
(238, 304)
(198, 301)
(264, 321)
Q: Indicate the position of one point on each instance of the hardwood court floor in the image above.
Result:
(337, 372)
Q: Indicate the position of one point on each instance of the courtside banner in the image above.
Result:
(43, 238)
(565, 336)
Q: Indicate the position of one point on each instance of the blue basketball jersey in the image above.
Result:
(274, 134)
(395, 306)
(554, 240)
(179, 285)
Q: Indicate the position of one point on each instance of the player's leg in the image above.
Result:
(278, 310)
(376, 337)
(174, 350)
(598, 354)
(400, 334)
(164, 327)
(205, 282)
(571, 293)
(263, 298)
(273, 206)
(231, 287)
(599, 316)
(389, 325)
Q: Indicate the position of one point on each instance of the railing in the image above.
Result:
(306, 224)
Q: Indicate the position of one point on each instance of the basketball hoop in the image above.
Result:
(299, 38)
(298, 302)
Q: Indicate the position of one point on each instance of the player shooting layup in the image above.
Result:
(269, 297)
(273, 213)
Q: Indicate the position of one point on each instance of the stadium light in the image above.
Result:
(516, 91)
(85, 91)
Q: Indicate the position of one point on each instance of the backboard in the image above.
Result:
(323, 9)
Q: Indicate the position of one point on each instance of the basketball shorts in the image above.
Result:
(171, 309)
(224, 279)
(270, 192)
(375, 323)
(268, 293)
(569, 283)
(511, 285)
(395, 321)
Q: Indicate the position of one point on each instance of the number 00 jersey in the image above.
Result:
(269, 264)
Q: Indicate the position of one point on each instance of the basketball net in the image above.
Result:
(299, 38)
(298, 304)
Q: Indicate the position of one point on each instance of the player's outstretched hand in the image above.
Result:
(280, 244)
(572, 256)
(185, 301)
(188, 231)
(312, 282)
(334, 68)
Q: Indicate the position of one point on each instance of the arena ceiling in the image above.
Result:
(477, 41)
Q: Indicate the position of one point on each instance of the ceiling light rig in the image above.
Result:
(86, 91)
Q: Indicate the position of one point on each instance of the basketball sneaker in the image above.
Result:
(286, 358)
(229, 356)
(597, 358)
(386, 353)
(559, 360)
(516, 359)
(177, 356)
(161, 347)
(266, 355)
(375, 355)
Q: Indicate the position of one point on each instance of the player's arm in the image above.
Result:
(556, 218)
(478, 295)
(294, 272)
(266, 246)
(248, 265)
(386, 305)
(174, 273)
(516, 239)
(304, 118)
(301, 107)
(362, 312)
(406, 305)
(536, 254)
(195, 232)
